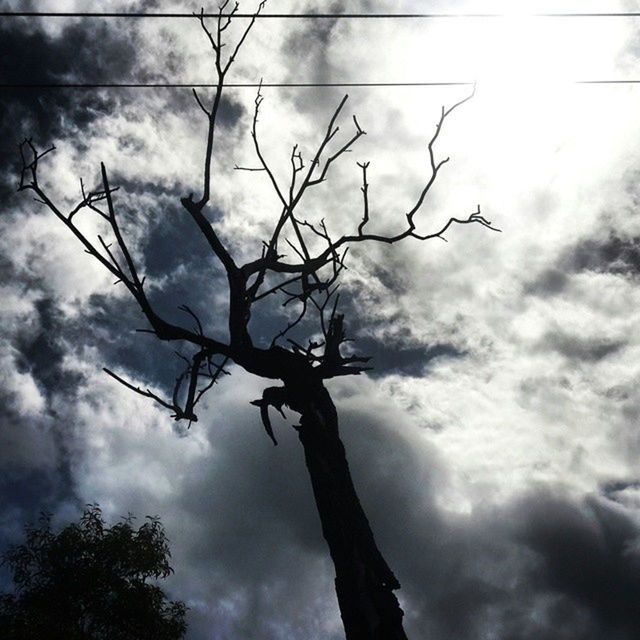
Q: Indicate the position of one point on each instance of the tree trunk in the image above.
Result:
(364, 581)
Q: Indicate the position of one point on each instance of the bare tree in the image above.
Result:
(364, 582)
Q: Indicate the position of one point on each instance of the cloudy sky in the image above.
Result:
(495, 446)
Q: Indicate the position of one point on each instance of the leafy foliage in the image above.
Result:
(90, 582)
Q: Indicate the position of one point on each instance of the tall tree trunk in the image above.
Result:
(364, 581)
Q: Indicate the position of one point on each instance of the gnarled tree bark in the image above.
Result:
(364, 582)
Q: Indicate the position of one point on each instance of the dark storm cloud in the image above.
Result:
(174, 251)
(540, 567)
(612, 254)
(85, 51)
(271, 498)
(552, 618)
(308, 45)
(588, 553)
(399, 352)
(612, 489)
(110, 326)
(548, 283)
(435, 557)
(34, 455)
(393, 358)
(36, 459)
(574, 347)
(173, 239)
(35, 465)
(42, 353)
(173, 248)
(544, 567)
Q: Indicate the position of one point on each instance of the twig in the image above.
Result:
(146, 393)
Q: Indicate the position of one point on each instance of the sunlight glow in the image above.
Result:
(527, 104)
(520, 53)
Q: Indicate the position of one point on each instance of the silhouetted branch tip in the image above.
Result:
(146, 393)
(271, 397)
(186, 309)
(239, 168)
(206, 111)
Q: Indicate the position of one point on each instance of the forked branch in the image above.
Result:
(125, 271)
(311, 265)
(200, 366)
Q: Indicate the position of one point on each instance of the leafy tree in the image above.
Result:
(306, 279)
(90, 582)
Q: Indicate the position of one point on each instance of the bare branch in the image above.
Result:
(135, 280)
(213, 378)
(238, 168)
(311, 265)
(146, 393)
(107, 249)
(160, 327)
(315, 162)
(32, 166)
(277, 287)
(232, 57)
(292, 324)
(188, 310)
(214, 44)
(193, 372)
(296, 250)
(474, 217)
(256, 144)
(195, 95)
(435, 166)
(344, 149)
(365, 196)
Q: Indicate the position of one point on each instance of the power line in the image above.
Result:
(255, 85)
(313, 16)
(236, 85)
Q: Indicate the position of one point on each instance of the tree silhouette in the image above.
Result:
(90, 582)
(309, 280)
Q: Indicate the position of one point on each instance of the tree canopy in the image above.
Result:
(90, 581)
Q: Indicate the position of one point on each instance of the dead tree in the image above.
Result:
(364, 582)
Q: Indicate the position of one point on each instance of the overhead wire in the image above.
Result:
(309, 16)
(313, 16)
(256, 85)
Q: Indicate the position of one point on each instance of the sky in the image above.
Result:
(494, 445)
